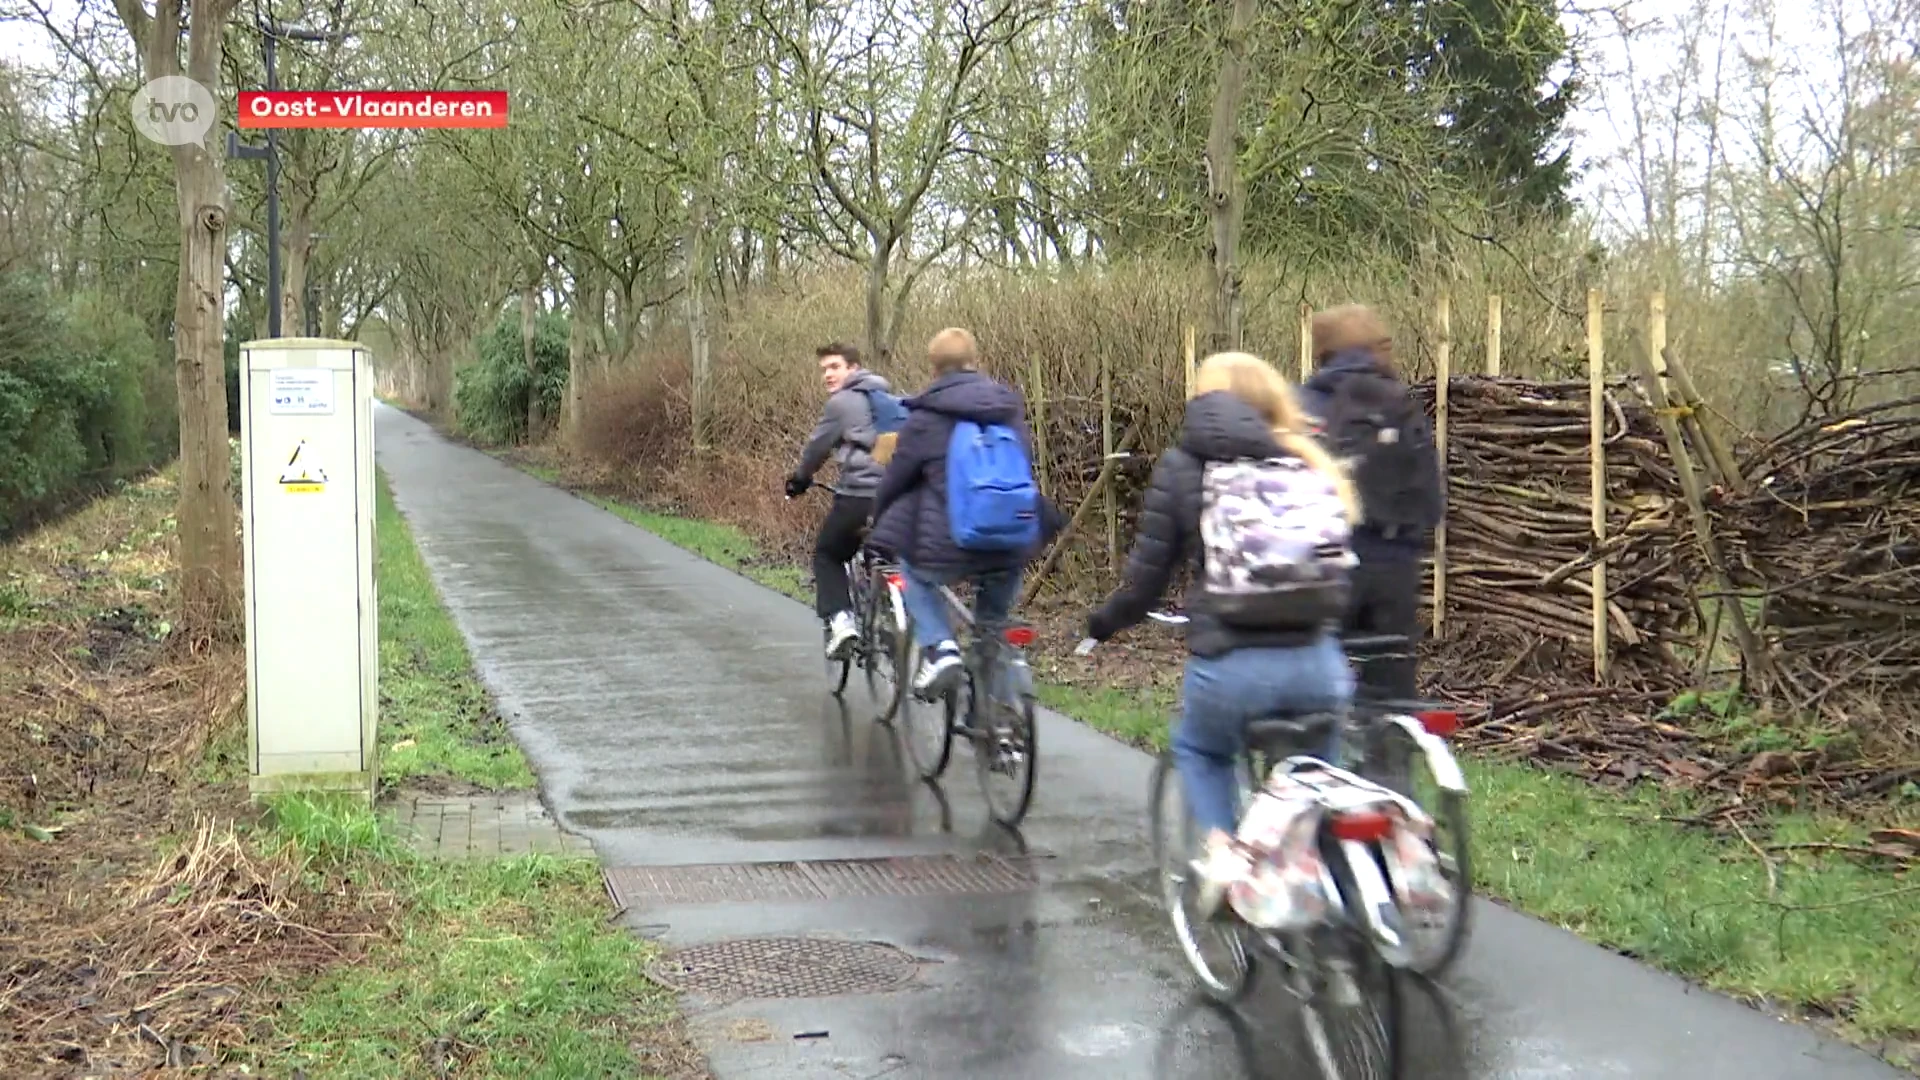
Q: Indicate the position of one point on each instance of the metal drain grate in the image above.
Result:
(912, 875)
(783, 968)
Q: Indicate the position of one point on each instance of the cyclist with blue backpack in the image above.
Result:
(959, 502)
(857, 429)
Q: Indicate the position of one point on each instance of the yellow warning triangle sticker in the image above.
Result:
(309, 477)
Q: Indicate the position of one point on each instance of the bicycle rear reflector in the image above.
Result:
(1441, 722)
(1019, 636)
(1365, 826)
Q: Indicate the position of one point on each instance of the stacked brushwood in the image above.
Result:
(1520, 543)
(1828, 535)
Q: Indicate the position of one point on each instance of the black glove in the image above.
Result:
(1099, 628)
(797, 486)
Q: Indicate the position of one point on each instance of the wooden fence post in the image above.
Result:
(1597, 459)
(1306, 341)
(1442, 372)
(1106, 452)
(1037, 403)
(1493, 335)
(1187, 350)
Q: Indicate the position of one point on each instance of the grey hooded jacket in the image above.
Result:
(845, 432)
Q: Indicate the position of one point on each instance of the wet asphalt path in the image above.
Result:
(676, 714)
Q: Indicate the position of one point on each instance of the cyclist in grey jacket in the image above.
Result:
(846, 434)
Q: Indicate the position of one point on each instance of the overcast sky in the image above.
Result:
(1601, 128)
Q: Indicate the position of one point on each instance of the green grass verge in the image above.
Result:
(1827, 936)
(436, 719)
(496, 968)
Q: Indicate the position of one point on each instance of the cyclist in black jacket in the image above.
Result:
(1241, 669)
(1354, 396)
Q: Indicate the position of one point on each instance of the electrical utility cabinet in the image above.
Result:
(313, 646)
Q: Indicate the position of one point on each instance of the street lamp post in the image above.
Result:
(270, 33)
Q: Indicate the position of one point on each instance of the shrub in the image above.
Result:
(78, 390)
(490, 398)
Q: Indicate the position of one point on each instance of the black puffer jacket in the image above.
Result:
(1219, 427)
(910, 508)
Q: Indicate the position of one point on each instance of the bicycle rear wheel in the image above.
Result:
(1359, 1039)
(1005, 755)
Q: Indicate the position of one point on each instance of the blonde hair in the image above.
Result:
(953, 349)
(1351, 326)
(1255, 382)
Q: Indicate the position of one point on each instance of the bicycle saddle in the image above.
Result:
(1294, 730)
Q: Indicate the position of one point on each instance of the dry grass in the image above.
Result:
(115, 958)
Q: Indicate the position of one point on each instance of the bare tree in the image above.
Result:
(209, 545)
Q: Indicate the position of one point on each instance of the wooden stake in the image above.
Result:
(1037, 404)
(1106, 453)
(1493, 334)
(1187, 350)
(1442, 372)
(1597, 459)
(1306, 341)
(1753, 657)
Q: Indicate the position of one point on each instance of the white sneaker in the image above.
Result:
(842, 631)
(939, 668)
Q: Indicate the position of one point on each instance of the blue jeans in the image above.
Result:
(993, 596)
(1224, 694)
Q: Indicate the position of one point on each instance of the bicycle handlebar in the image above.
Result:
(1357, 643)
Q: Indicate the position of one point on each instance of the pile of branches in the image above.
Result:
(1520, 540)
(1828, 535)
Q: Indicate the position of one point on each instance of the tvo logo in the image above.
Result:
(174, 110)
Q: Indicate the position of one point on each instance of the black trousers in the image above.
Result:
(839, 541)
(1386, 600)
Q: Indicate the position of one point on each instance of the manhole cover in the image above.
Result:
(783, 968)
(909, 875)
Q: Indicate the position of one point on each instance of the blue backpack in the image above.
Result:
(889, 410)
(993, 505)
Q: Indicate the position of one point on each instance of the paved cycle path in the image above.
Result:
(676, 715)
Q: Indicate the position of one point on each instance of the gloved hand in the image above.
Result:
(1099, 628)
(797, 486)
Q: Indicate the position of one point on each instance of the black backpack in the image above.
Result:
(1374, 423)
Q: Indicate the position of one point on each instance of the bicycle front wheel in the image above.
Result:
(927, 726)
(1437, 935)
(1005, 755)
(838, 671)
(885, 648)
(1215, 950)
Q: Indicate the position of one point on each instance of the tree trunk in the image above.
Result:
(210, 572)
(879, 334)
(699, 336)
(536, 415)
(579, 342)
(209, 547)
(1226, 193)
(293, 277)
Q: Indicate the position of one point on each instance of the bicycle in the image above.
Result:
(999, 714)
(1387, 733)
(882, 646)
(1393, 735)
